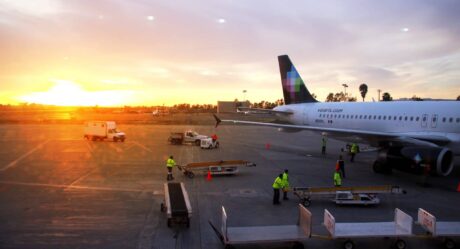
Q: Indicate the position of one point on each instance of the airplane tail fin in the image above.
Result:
(294, 90)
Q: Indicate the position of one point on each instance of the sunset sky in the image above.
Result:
(118, 52)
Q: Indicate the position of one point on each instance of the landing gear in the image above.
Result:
(381, 167)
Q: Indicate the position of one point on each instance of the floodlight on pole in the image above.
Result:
(345, 89)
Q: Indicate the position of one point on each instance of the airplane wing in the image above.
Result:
(261, 111)
(372, 137)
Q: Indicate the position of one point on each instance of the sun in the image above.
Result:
(69, 93)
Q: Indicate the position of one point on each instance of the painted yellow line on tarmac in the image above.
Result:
(32, 184)
(15, 162)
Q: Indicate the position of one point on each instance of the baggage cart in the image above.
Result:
(444, 230)
(399, 228)
(293, 234)
(361, 195)
(215, 168)
(176, 204)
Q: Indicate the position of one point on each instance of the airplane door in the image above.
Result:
(424, 120)
(434, 120)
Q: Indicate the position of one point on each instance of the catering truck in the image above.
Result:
(100, 130)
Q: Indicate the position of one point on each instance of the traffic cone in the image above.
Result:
(267, 146)
(458, 187)
(209, 177)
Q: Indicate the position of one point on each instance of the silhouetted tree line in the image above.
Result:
(339, 97)
(267, 105)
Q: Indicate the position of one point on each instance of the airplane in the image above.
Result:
(409, 135)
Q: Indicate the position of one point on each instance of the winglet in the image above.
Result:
(217, 120)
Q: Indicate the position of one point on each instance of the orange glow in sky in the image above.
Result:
(119, 52)
(68, 93)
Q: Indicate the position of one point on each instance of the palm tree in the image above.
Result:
(386, 97)
(363, 90)
(458, 98)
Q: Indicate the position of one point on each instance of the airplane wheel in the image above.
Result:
(449, 244)
(115, 139)
(400, 244)
(348, 244)
(169, 222)
(298, 245)
(306, 202)
(198, 142)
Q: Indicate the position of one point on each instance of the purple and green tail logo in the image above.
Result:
(294, 89)
(292, 83)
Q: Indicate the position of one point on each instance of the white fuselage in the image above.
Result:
(426, 118)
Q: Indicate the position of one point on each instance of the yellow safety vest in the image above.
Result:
(278, 183)
(170, 163)
(354, 148)
(337, 179)
(285, 180)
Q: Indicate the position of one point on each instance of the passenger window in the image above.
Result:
(384, 117)
(411, 118)
(335, 115)
(405, 118)
(380, 117)
(375, 116)
(365, 116)
(395, 117)
(424, 119)
(400, 118)
(443, 120)
(458, 120)
(360, 116)
(347, 115)
(417, 118)
(451, 119)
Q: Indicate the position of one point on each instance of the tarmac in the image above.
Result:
(58, 190)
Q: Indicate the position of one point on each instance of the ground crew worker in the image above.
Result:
(323, 148)
(341, 166)
(424, 177)
(170, 163)
(277, 185)
(214, 138)
(285, 179)
(337, 179)
(354, 150)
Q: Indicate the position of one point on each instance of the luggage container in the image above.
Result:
(444, 230)
(399, 228)
(292, 234)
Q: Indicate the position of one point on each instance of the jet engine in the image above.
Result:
(414, 159)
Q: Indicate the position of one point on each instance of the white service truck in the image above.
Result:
(186, 137)
(100, 130)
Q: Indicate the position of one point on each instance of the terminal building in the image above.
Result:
(230, 106)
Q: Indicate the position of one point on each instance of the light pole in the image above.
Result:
(244, 95)
(345, 90)
(378, 91)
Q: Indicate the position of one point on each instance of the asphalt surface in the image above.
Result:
(60, 191)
